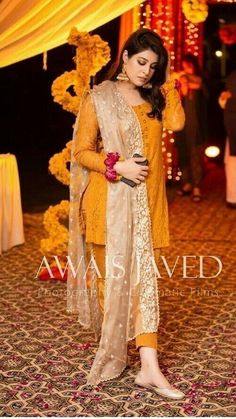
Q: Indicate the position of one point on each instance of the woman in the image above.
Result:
(190, 140)
(118, 224)
(227, 101)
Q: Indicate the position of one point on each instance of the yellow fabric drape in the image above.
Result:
(129, 22)
(31, 27)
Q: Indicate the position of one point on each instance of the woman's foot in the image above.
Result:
(169, 392)
(150, 375)
(185, 190)
(150, 372)
(153, 376)
(196, 195)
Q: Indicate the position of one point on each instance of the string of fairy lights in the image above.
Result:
(160, 17)
(192, 32)
(180, 36)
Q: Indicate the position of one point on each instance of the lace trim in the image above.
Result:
(102, 380)
(149, 288)
(110, 360)
(154, 293)
(160, 235)
(96, 382)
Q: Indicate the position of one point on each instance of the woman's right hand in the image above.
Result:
(131, 170)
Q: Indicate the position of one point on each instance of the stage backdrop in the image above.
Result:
(31, 27)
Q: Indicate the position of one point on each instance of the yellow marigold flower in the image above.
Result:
(196, 11)
(57, 242)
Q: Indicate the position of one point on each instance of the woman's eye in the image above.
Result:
(152, 68)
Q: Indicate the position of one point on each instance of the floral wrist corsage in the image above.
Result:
(111, 159)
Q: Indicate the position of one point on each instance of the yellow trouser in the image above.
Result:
(145, 339)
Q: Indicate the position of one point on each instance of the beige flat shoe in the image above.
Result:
(166, 392)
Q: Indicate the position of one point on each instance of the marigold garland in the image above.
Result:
(196, 11)
(62, 96)
(92, 53)
(58, 164)
(57, 242)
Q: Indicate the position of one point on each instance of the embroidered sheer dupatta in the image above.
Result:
(131, 305)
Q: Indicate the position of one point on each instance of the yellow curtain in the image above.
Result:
(130, 21)
(30, 27)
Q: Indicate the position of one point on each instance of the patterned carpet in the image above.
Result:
(45, 356)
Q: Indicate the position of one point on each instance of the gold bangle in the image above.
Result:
(118, 177)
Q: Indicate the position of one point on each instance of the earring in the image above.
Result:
(147, 86)
(122, 76)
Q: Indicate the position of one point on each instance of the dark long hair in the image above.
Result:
(139, 41)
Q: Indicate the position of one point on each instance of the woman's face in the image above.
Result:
(141, 66)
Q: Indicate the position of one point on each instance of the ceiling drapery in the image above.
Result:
(28, 28)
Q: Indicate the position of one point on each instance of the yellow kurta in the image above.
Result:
(89, 153)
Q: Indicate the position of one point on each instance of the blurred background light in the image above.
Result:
(212, 151)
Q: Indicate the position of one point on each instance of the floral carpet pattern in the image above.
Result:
(45, 356)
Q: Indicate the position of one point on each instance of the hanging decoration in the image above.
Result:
(58, 164)
(163, 24)
(195, 11)
(92, 53)
(180, 36)
(193, 38)
(56, 243)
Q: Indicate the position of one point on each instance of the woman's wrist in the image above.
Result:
(117, 166)
(169, 85)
